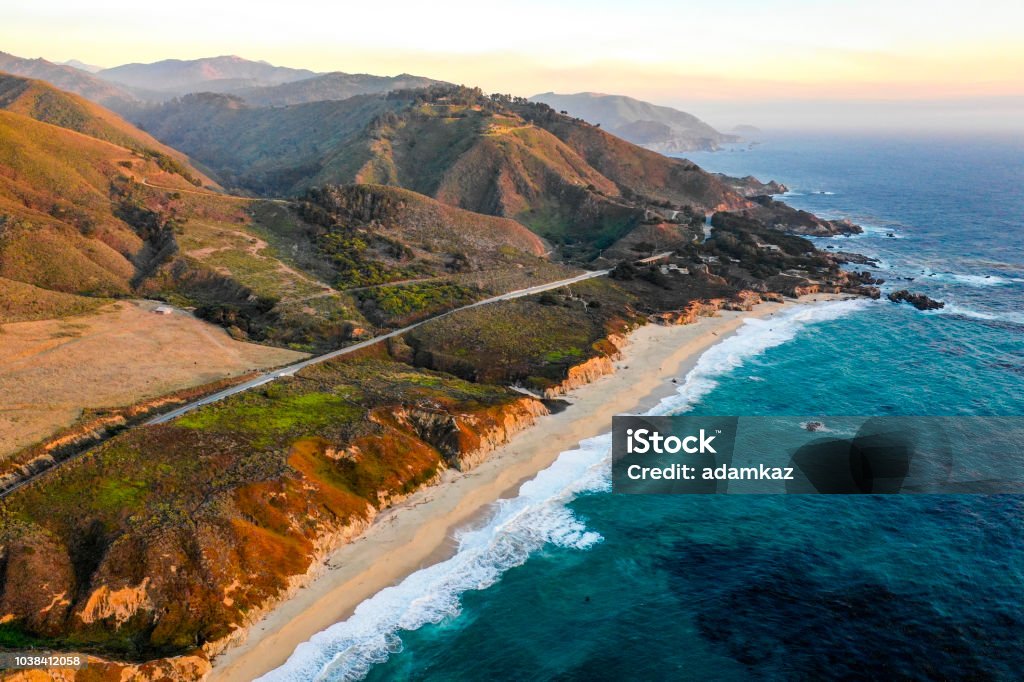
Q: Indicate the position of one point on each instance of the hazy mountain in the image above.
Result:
(662, 129)
(82, 66)
(69, 78)
(331, 86)
(211, 74)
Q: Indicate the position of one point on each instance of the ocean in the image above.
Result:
(567, 581)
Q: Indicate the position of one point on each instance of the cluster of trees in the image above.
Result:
(341, 221)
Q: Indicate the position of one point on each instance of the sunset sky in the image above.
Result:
(705, 55)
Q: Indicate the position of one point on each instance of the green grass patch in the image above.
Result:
(267, 418)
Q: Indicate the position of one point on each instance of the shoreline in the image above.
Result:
(418, 531)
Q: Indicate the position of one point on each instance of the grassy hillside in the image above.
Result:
(269, 151)
(567, 180)
(182, 509)
(43, 102)
(86, 209)
(58, 227)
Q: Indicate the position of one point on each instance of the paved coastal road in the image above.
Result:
(292, 369)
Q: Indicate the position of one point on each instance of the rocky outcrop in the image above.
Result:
(919, 301)
(581, 374)
(466, 439)
(775, 215)
(844, 257)
(689, 314)
(590, 370)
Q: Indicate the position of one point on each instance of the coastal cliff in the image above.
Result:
(266, 538)
(141, 588)
(168, 542)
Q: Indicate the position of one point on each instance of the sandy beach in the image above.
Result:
(418, 532)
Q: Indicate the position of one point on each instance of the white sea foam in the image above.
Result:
(970, 280)
(753, 338)
(517, 527)
(962, 311)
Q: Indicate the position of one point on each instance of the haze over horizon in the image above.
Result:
(793, 63)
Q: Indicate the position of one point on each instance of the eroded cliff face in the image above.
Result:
(465, 440)
(198, 585)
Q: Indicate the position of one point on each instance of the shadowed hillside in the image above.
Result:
(331, 86)
(269, 151)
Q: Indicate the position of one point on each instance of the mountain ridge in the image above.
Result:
(69, 78)
(210, 74)
(567, 180)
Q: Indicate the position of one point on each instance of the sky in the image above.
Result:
(826, 62)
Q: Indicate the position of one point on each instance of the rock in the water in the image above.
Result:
(919, 301)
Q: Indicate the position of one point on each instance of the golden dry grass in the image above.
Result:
(50, 370)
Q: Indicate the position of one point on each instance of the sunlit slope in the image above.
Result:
(43, 102)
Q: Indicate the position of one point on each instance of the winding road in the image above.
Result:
(293, 368)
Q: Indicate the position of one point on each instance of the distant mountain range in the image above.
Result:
(69, 78)
(128, 88)
(662, 129)
(212, 74)
(82, 66)
(331, 86)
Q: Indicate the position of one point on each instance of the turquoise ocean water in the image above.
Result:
(570, 582)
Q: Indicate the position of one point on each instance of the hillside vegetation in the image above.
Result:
(45, 103)
(93, 207)
(567, 180)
